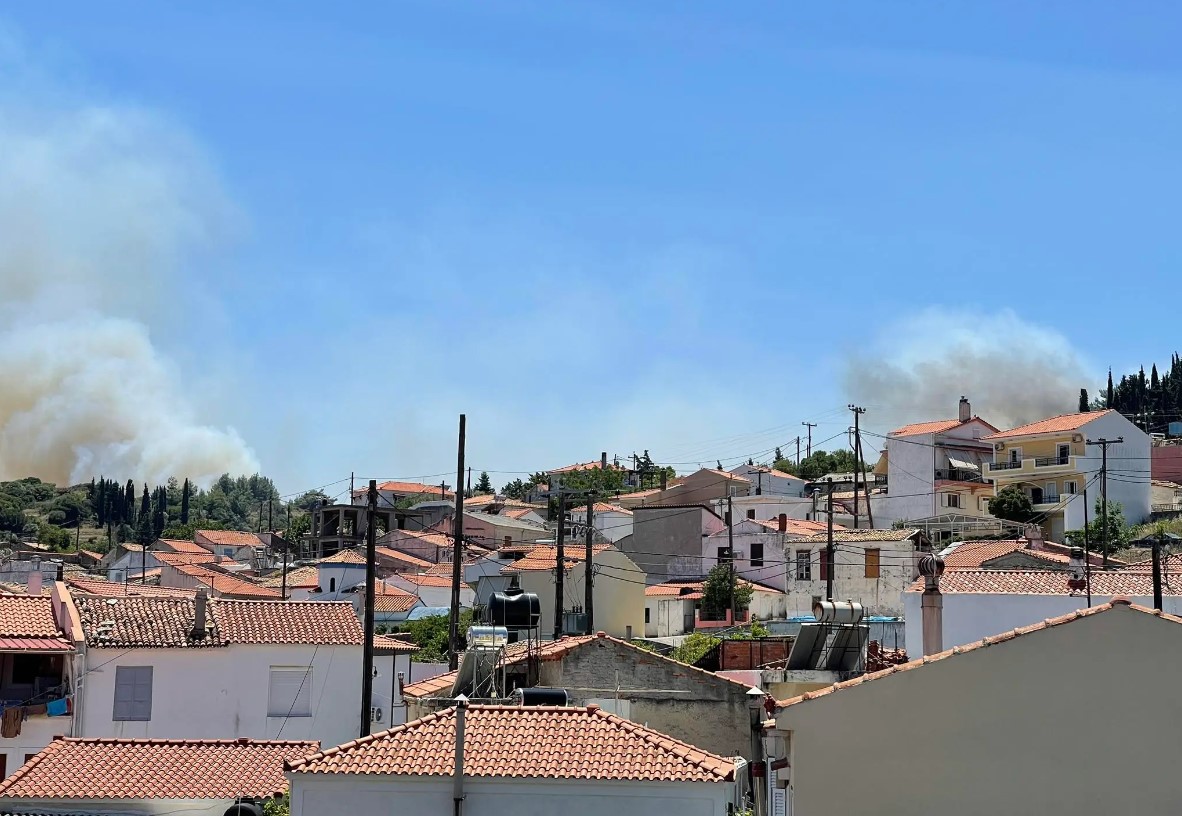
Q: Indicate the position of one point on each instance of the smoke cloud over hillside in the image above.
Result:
(97, 206)
(1011, 371)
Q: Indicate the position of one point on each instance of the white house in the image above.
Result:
(160, 667)
(766, 481)
(671, 609)
(612, 521)
(1071, 715)
(935, 469)
(538, 759)
(194, 777)
(980, 603)
(338, 575)
(432, 590)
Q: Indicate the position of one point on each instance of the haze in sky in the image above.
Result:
(304, 237)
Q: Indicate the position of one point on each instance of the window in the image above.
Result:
(952, 500)
(228, 552)
(984, 503)
(133, 694)
(1050, 492)
(1015, 455)
(872, 563)
(804, 566)
(757, 553)
(1069, 487)
(332, 584)
(647, 615)
(724, 555)
(1064, 454)
(751, 515)
(732, 490)
(824, 559)
(291, 692)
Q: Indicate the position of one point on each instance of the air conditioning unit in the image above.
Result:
(1077, 437)
(999, 446)
(375, 714)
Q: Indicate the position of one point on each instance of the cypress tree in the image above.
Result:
(185, 502)
(145, 505)
(1084, 404)
(129, 504)
(1108, 400)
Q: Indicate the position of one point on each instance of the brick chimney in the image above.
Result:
(35, 577)
(1033, 535)
(783, 522)
(931, 567)
(966, 410)
(200, 603)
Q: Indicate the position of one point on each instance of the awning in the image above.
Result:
(35, 645)
(961, 464)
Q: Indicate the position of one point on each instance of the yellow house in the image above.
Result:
(1053, 464)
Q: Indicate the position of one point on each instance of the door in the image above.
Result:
(1064, 454)
(1015, 456)
(1036, 495)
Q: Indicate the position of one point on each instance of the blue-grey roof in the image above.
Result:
(420, 612)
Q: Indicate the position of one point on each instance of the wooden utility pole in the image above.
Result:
(457, 554)
(857, 460)
(798, 450)
(829, 546)
(560, 562)
(1103, 444)
(371, 530)
(809, 449)
(1087, 553)
(589, 575)
(730, 550)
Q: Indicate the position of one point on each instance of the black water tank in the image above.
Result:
(540, 697)
(514, 609)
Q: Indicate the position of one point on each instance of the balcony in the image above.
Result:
(1033, 466)
(1051, 461)
(957, 475)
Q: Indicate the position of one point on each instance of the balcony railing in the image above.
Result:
(1006, 465)
(1052, 461)
(957, 475)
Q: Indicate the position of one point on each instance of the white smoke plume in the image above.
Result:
(98, 208)
(1012, 372)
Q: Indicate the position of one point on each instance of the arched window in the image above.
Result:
(332, 584)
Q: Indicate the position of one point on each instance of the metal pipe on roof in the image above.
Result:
(458, 778)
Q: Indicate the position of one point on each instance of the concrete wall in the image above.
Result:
(908, 743)
(619, 593)
(36, 732)
(770, 507)
(770, 484)
(692, 705)
(326, 795)
(969, 617)
(668, 616)
(222, 693)
(666, 542)
(880, 596)
(613, 525)
(775, 570)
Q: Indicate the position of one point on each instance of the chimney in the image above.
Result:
(35, 577)
(199, 610)
(1033, 535)
(603, 461)
(1077, 577)
(966, 410)
(932, 602)
(664, 480)
(783, 522)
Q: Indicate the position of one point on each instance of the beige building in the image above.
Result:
(1037, 720)
(701, 487)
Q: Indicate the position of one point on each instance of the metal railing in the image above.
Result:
(1006, 465)
(958, 475)
(1052, 461)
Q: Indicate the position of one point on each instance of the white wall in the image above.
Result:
(1128, 465)
(329, 795)
(221, 693)
(668, 616)
(770, 507)
(969, 617)
(613, 525)
(910, 480)
(770, 484)
(36, 732)
(619, 593)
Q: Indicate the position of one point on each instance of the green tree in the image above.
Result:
(821, 462)
(1085, 404)
(186, 490)
(694, 648)
(1119, 533)
(430, 635)
(484, 484)
(779, 454)
(53, 537)
(720, 584)
(277, 806)
(515, 489)
(1011, 504)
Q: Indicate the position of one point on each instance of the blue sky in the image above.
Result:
(617, 226)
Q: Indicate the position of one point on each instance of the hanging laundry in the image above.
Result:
(58, 708)
(10, 722)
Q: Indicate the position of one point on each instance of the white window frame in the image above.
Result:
(1047, 496)
(983, 503)
(804, 565)
(1070, 487)
(1015, 455)
(293, 698)
(951, 500)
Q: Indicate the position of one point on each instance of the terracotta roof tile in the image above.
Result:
(425, 580)
(27, 616)
(162, 623)
(388, 645)
(545, 557)
(390, 598)
(348, 556)
(863, 535)
(405, 558)
(989, 641)
(222, 583)
(1056, 424)
(97, 586)
(546, 742)
(408, 489)
(799, 526)
(180, 545)
(90, 768)
(231, 538)
(174, 558)
(605, 507)
(595, 464)
(1132, 582)
(298, 578)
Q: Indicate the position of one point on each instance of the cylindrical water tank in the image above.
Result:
(488, 637)
(838, 611)
(539, 697)
(514, 609)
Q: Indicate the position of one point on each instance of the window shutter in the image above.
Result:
(290, 693)
(133, 694)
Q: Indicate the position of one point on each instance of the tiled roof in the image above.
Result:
(388, 645)
(180, 545)
(556, 650)
(100, 768)
(730, 477)
(545, 557)
(1132, 582)
(424, 580)
(97, 586)
(223, 583)
(407, 488)
(298, 578)
(91, 554)
(981, 644)
(231, 538)
(168, 622)
(799, 526)
(390, 598)
(604, 507)
(917, 428)
(548, 742)
(27, 624)
(596, 464)
(498, 520)
(1057, 424)
(405, 558)
(174, 559)
(692, 590)
(853, 536)
(323, 623)
(344, 557)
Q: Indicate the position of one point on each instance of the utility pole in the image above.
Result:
(589, 575)
(730, 547)
(371, 529)
(1157, 542)
(560, 562)
(829, 546)
(270, 515)
(1087, 554)
(457, 555)
(810, 426)
(798, 450)
(858, 460)
(1104, 443)
(469, 487)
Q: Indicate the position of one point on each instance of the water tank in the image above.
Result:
(838, 611)
(514, 609)
(539, 697)
(487, 637)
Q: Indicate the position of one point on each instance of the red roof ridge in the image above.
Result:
(991, 640)
(1055, 424)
